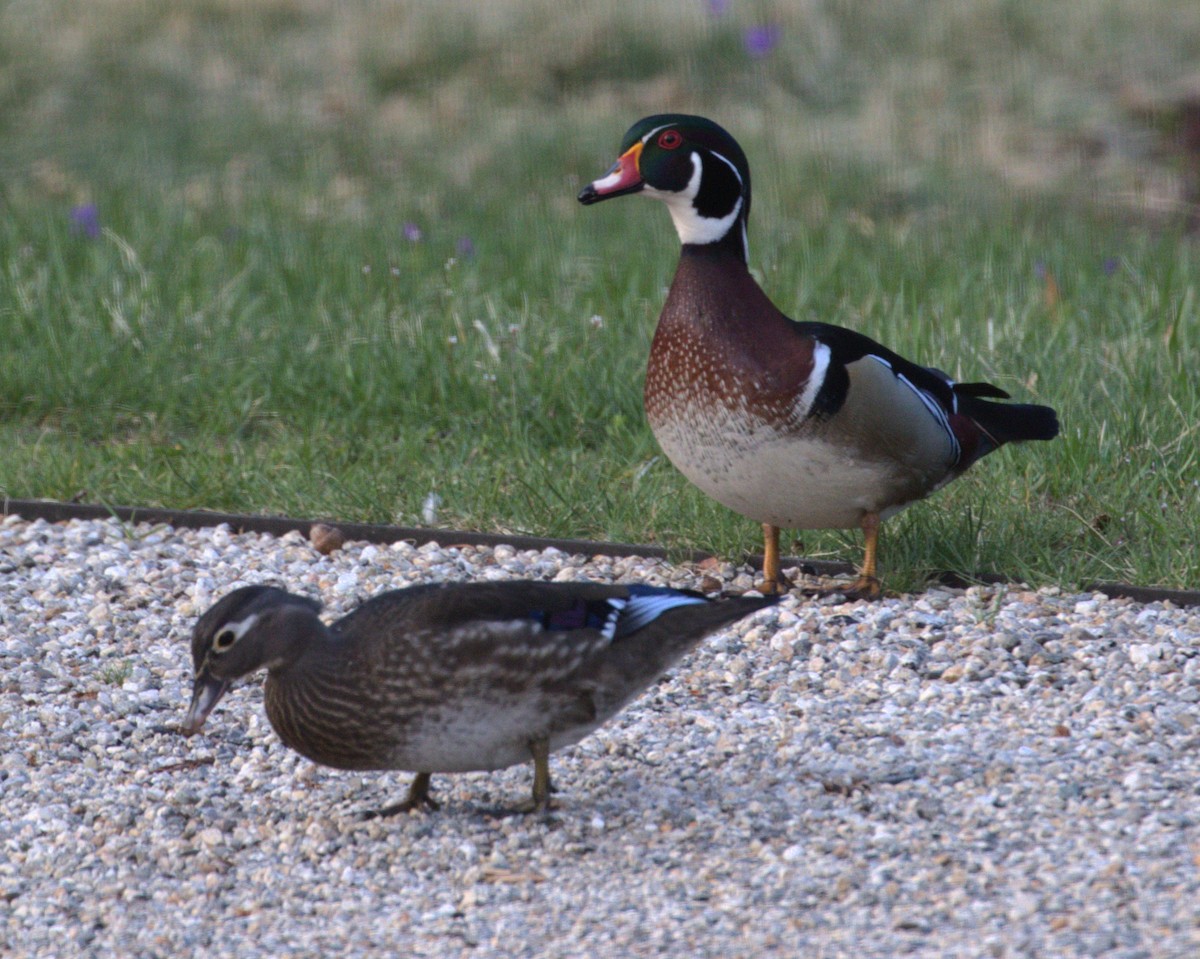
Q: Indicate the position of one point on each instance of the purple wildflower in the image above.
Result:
(759, 41)
(412, 232)
(1039, 269)
(85, 221)
(1111, 265)
(465, 247)
(718, 8)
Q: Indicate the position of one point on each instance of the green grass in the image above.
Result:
(115, 674)
(253, 330)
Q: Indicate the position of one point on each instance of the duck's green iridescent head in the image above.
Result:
(691, 164)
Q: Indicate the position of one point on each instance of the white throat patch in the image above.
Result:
(689, 224)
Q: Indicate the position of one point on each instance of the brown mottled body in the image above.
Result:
(449, 678)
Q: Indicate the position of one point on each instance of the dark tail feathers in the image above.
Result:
(1010, 422)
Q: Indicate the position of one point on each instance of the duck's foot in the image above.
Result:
(532, 806)
(418, 798)
(865, 587)
(780, 585)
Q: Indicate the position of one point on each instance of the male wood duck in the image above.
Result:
(450, 677)
(802, 425)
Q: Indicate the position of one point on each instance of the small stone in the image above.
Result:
(326, 539)
(210, 837)
(954, 672)
(1143, 654)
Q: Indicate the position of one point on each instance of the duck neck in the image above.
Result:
(297, 633)
(732, 243)
(729, 251)
(714, 293)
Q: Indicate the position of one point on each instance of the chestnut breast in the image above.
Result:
(722, 344)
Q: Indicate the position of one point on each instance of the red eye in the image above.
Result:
(670, 139)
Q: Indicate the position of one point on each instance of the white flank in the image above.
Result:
(935, 408)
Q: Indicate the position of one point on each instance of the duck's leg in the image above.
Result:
(867, 585)
(540, 802)
(418, 797)
(772, 583)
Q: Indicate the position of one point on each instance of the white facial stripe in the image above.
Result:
(816, 379)
(241, 627)
(731, 166)
(690, 225)
(688, 192)
(646, 138)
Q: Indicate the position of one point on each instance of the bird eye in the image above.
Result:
(223, 640)
(670, 139)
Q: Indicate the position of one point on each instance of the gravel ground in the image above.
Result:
(985, 772)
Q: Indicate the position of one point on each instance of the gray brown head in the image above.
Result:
(252, 628)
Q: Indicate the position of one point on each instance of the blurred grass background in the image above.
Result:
(324, 259)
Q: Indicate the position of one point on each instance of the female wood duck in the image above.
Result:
(803, 425)
(451, 677)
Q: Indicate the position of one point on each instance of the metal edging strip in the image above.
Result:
(54, 511)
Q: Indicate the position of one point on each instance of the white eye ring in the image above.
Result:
(223, 640)
(230, 633)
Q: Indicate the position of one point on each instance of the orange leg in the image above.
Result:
(772, 583)
(867, 585)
